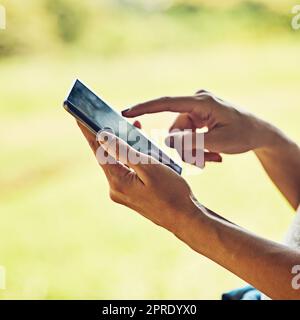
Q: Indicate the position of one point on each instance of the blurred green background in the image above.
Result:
(60, 235)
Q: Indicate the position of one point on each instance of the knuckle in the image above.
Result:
(116, 186)
(165, 98)
(204, 94)
(208, 96)
(201, 91)
(115, 197)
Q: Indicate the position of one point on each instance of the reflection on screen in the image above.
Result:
(104, 117)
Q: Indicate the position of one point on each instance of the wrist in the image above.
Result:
(191, 225)
(182, 220)
(265, 136)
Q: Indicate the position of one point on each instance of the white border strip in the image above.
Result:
(2, 278)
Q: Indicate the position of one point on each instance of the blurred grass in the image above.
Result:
(61, 236)
(112, 28)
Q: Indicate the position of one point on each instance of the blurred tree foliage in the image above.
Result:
(69, 18)
(111, 27)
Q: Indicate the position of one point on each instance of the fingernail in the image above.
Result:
(126, 110)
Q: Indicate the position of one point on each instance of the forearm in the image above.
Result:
(263, 263)
(280, 158)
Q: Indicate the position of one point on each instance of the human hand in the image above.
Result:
(230, 130)
(143, 186)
